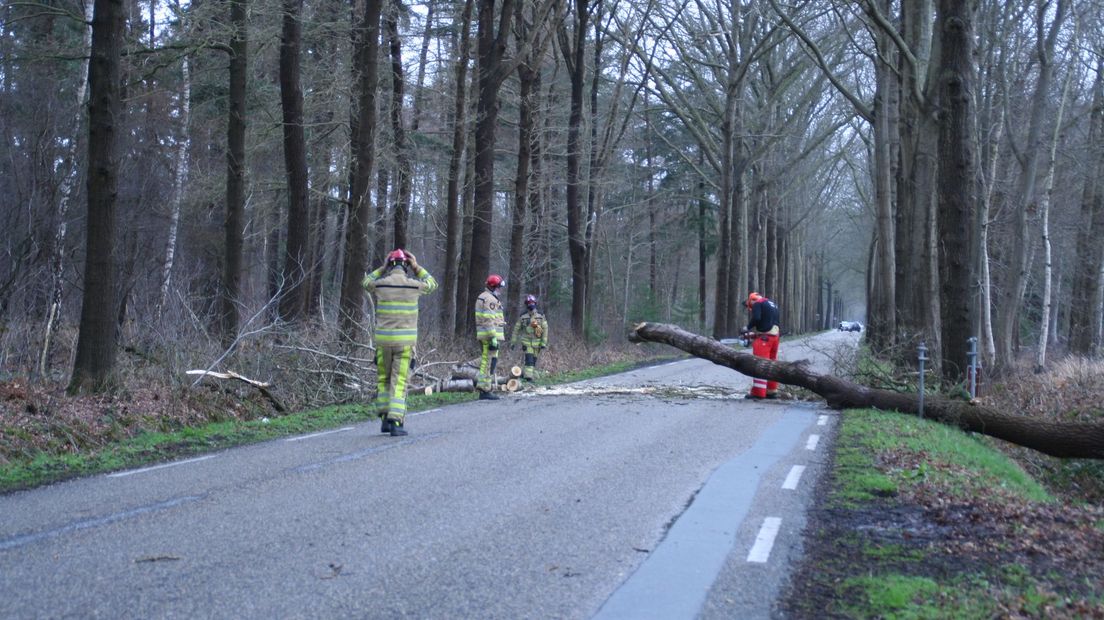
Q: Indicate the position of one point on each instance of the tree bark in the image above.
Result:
(1084, 318)
(235, 172)
(93, 368)
(449, 313)
(296, 251)
(491, 50)
(71, 170)
(882, 321)
(527, 99)
(722, 312)
(1059, 439)
(1015, 282)
(957, 186)
(1044, 217)
(180, 177)
(703, 255)
(574, 56)
(401, 208)
(366, 39)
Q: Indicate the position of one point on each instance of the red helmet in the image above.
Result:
(753, 298)
(494, 281)
(530, 300)
(396, 256)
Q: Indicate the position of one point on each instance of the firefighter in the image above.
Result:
(489, 330)
(397, 284)
(763, 332)
(531, 331)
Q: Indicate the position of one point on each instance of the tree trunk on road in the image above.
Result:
(1063, 440)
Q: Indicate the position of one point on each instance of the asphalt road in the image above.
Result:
(657, 493)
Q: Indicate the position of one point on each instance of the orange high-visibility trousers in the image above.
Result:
(764, 346)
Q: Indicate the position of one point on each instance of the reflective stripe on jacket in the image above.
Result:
(397, 303)
(489, 322)
(532, 328)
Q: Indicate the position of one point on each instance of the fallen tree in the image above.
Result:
(1060, 439)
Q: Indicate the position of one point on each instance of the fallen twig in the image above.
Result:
(261, 386)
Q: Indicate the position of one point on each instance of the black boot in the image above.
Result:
(385, 424)
(397, 429)
(487, 396)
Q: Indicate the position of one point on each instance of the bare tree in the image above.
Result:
(93, 368)
(71, 170)
(494, 68)
(296, 251)
(401, 205)
(366, 46)
(1084, 310)
(574, 53)
(1016, 278)
(450, 313)
(235, 171)
(1044, 219)
(957, 171)
(180, 177)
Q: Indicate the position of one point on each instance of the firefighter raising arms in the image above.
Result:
(397, 286)
(531, 331)
(763, 332)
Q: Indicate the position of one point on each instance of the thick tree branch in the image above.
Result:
(1060, 439)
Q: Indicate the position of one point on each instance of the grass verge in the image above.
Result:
(920, 520)
(153, 447)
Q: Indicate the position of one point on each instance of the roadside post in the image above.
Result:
(971, 355)
(923, 357)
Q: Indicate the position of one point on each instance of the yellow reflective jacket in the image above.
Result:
(397, 303)
(532, 328)
(489, 322)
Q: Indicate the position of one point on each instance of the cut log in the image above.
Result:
(471, 374)
(261, 386)
(465, 372)
(454, 385)
(512, 385)
(515, 371)
(1060, 439)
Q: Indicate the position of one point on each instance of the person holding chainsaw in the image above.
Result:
(397, 284)
(490, 328)
(531, 331)
(763, 333)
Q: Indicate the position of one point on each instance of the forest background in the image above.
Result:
(202, 185)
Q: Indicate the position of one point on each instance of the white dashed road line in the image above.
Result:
(120, 474)
(812, 443)
(764, 542)
(822, 420)
(422, 412)
(313, 435)
(793, 477)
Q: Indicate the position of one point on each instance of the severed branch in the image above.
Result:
(261, 386)
(1059, 439)
(351, 361)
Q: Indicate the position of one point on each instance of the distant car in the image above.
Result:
(850, 326)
